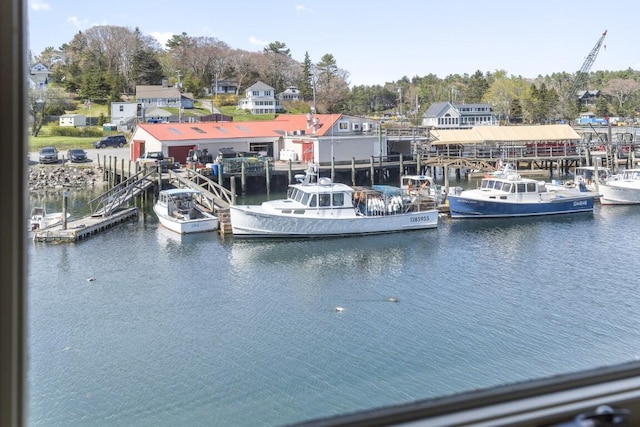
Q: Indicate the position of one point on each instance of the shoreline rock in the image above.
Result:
(61, 177)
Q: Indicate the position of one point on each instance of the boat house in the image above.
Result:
(302, 138)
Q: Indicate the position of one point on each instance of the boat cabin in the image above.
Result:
(180, 203)
(515, 186)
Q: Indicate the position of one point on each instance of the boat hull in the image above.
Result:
(620, 194)
(463, 207)
(251, 221)
(199, 225)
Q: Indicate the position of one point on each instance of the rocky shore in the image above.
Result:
(61, 177)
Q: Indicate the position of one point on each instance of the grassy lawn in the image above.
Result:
(62, 143)
(243, 115)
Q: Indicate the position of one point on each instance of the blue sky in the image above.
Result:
(377, 41)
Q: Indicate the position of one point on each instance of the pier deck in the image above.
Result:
(83, 228)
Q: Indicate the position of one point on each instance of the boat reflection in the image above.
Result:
(380, 251)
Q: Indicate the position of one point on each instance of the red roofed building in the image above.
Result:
(296, 137)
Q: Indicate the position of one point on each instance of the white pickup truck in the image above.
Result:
(152, 159)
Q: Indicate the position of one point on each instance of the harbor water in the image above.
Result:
(139, 326)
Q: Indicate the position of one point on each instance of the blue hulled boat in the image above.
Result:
(507, 194)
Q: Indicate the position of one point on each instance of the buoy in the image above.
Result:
(340, 309)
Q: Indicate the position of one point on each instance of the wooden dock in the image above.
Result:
(85, 227)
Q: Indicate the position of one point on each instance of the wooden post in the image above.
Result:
(353, 171)
(289, 173)
(111, 167)
(232, 185)
(401, 168)
(122, 169)
(159, 176)
(243, 178)
(65, 196)
(445, 172)
(267, 176)
(418, 164)
(372, 172)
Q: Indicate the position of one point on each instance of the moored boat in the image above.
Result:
(621, 189)
(510, 195)
(318, 207)
(178, 210)
(40, 219)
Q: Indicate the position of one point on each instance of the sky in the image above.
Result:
(376, 41)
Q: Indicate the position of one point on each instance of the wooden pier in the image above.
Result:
(83, 228)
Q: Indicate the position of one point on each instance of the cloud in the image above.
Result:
(304, 9)
(254, 40)
(38, 5)
(162, 38)
(75, 21)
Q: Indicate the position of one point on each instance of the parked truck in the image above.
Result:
(153, 159)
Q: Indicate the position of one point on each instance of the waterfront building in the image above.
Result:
(298, 137)
(445, 115)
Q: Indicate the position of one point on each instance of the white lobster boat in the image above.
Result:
(318, 207)
(178, 211)
(621, 189)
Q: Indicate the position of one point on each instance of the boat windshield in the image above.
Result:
(487, 184)
(325, 199)
(338, 199)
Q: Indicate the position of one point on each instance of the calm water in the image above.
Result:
(198, 330)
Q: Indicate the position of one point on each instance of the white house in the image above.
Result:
(445, 115)
(163, 96)
(259, 99)
(291, 94)
(73, 120)
(38, 76)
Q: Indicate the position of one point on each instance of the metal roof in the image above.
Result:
(504, 134)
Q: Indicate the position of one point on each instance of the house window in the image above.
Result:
(343, 125)
(267, 93)
(121, 109)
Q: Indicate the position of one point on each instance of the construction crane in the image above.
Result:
(581, 76)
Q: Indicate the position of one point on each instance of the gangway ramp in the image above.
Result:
(213, 196)
(111, 200)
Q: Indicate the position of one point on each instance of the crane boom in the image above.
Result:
(586, 66)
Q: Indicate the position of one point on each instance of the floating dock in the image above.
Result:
(83, 228)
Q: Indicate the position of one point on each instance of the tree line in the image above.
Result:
(105, 63)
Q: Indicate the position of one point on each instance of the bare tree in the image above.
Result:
(621, 90)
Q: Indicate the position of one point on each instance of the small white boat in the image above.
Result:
(40, 219)
(424, 186)
(590, 177)
(507, 194)
(318, 207)
(621, 189)
(177, 210)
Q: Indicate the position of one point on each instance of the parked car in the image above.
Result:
(111, 141)
(48, 155)
(77, 155)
